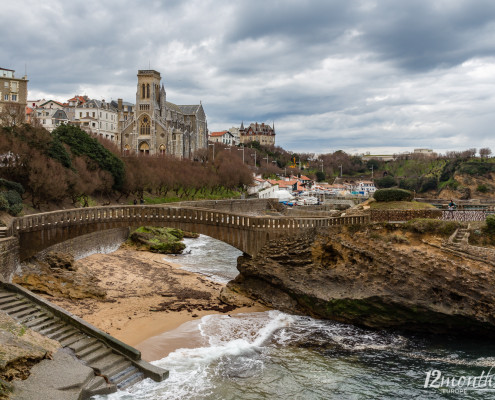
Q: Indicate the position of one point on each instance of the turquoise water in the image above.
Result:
(273, 355)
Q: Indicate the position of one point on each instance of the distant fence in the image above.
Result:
(464, 215)
(403, 215)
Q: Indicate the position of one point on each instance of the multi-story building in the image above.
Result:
(224, 137)
(264, 134)
(157, 126)
(13, 92)
(97, 117)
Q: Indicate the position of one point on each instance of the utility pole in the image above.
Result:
(254, 154)
(340, 166)
(212, 144)
(242, 153)
(266, 158)
(372, 171)
(321, 165)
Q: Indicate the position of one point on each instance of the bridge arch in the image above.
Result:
(244, 232)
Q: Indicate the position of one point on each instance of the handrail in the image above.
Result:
(161, 213)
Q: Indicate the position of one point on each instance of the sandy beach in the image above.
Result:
(146, 295)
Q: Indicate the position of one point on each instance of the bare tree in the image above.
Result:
(485, 152)
(12, 114)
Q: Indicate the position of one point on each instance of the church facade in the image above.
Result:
(156, 126)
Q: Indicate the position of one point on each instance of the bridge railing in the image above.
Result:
(143, 214)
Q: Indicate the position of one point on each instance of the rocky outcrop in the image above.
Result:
(374, 278)
(58, 275)
(160, 240)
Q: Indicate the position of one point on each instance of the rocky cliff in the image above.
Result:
(372, 277)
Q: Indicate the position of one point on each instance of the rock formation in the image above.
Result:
(372, 277)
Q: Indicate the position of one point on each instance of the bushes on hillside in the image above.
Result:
(490, 225)
(385, 182)
(432, 226)
(81, 144)
(393, 195)
(10, 199)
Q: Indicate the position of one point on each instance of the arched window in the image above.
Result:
(148, 91)
(162, 149)
(145, 126)
(143, 91)
(127, 150)
(144, 148)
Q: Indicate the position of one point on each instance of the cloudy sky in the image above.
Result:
(379, 76)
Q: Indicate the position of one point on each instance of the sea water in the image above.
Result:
(274, 355)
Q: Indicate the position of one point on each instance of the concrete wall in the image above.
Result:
(96, 242)
(9, 258)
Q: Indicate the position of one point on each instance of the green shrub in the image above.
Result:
(408, 184)
(15, 209)
(4, 204)
(393, 195)
(433, 226)
(12, 197)
(81, 143)
(429, 183)
(483, 188)
(58, 152)
(385, 182)
(9, 185)
(490, 224)
(320, 176)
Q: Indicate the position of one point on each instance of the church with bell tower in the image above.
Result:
(158, 127)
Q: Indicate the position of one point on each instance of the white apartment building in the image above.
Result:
(98, 117)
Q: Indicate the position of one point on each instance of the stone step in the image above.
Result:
(69, 339)
(25, 313)
(107, 363)
(133, 379)
(82, 344)
(4, 294)
(62, 332)
(41, 319)
(97, 355)
(98, 386)
(117, 370)
(31, 316)
(12, 309)
(8, 299)
(124, 374)
(89, 349)
(43, 325)
(53, 328)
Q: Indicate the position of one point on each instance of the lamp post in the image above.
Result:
(321, 165)
(242, 153)
(254, 154)
(266, 158)
(372, 171)
(212, 144)
(340, 166)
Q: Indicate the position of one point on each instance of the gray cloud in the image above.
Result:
(359, 75)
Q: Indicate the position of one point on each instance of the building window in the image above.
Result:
(143, 91)
(93, 115)
(162, 149)
(145, 126)
(6, 84)
(6, 97)
(148, 90)
(80, 115)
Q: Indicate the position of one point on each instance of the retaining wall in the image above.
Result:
(9, 258)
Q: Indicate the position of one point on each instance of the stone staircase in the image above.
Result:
(113, 370)
(3, 232)
(457, 239)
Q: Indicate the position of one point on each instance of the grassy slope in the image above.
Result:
(400, 205)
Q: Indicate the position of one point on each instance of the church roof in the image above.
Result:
(174, 107)
(189, 109)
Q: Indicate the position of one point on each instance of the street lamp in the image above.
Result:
(321, 165)
(212, 144)
(254, 154)
(242, 153)
(372, 171)
(340, 166)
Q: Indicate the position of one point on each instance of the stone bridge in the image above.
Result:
(244, 232)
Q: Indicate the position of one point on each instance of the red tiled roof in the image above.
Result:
(29, 110)
(218, 133)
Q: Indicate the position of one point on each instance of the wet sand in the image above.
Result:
(146, 296)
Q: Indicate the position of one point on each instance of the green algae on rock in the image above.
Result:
(160, 240)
